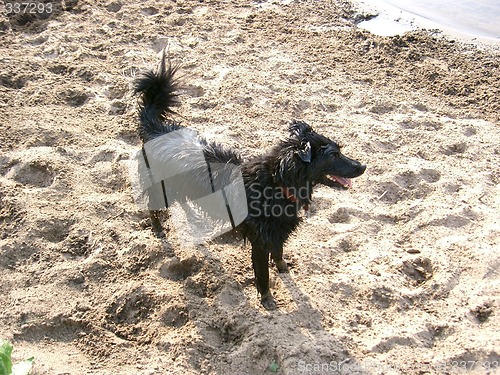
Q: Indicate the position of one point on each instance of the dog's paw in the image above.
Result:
(282, 266)
(159, 233)
(268, 301)
(156, 227)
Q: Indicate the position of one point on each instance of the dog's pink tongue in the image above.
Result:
(345, 182)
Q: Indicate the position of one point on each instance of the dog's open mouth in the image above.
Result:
(334, 181)
(345, 182)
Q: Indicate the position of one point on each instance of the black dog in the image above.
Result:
(278, 184)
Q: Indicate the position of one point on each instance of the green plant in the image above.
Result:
(273, 366)
(6, 367)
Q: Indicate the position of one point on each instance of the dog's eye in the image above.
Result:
(330, 151)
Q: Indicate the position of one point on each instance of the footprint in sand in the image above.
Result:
(39, 174)
(418, 270)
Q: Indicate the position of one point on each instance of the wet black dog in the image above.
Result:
(278, 184)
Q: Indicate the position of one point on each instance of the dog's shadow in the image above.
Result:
(237, 334)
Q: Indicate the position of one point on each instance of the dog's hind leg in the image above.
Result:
(277, 255)
(260, 262)
(156, 223)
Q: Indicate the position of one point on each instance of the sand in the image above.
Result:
(398, 275)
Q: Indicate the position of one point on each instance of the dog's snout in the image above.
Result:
(359, 169)
(356, 168)
(348, 168)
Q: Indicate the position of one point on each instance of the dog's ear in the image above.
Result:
(299, 128)
(305, 152)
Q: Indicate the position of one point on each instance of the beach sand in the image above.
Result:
(398, 275)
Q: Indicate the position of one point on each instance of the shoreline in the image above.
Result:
(389, 16)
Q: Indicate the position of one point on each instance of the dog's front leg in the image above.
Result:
(260, 262)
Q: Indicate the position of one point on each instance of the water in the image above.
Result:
(478, 18)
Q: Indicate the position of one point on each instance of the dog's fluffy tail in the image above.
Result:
(158, 89)
(158, 94)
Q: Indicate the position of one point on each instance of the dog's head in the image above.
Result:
(319, 158)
